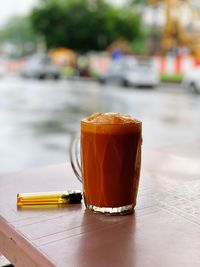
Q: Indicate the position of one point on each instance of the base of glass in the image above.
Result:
(112, 211)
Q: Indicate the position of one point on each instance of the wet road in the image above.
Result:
(37, 117)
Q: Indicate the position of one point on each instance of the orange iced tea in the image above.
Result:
(111, 160)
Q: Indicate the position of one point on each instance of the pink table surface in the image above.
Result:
(163, 232)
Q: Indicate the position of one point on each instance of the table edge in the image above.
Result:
(18, 244)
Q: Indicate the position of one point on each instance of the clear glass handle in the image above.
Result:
(75, 156)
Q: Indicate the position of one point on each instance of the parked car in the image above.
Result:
(192, 81)
(132, 72)
(2, 66)
(40, 66)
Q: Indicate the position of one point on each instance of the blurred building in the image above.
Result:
(178, 21)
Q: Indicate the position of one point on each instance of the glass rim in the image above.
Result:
(137, 122)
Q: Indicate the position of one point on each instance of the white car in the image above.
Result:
(192, 81)
(40, 66)
(140, 72)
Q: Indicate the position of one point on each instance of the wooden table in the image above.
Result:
(163, 232)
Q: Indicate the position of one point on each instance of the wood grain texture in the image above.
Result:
(163, 232)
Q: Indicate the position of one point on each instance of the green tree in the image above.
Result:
(136, 2)
(84, 24)
(18, 31)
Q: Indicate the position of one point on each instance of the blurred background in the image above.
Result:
(63, 60)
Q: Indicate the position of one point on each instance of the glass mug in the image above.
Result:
(110, 151)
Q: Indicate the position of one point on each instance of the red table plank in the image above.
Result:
(163, 232)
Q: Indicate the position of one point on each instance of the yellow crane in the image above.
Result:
(174, 33)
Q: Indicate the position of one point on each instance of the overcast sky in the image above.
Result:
(14, 7)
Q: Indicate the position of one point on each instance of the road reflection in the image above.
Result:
(38, 117)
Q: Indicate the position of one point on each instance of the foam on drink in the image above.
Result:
(110, 118)
(110, 122)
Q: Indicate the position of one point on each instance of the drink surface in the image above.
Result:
(111, 155)
(110, 118)
(110, 123)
